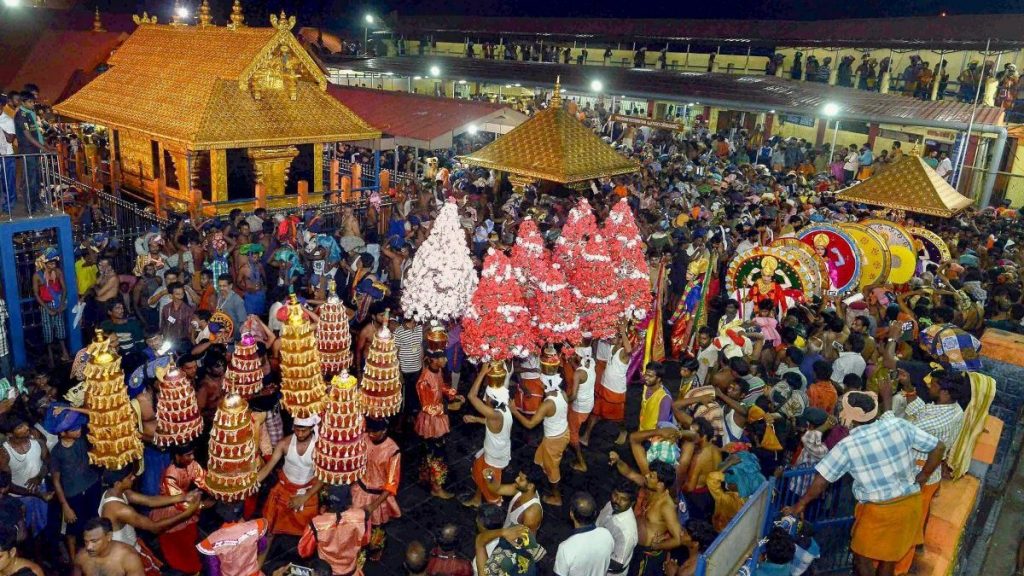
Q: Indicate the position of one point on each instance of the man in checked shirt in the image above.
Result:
(942, 418)
(887, 481)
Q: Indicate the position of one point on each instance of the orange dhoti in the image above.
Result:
(549, 455)
(927, 495)
(886, 531)
(479, 465)
(576, 420)
(609, 405)
(278, 512)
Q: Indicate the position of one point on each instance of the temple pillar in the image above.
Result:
(218, 175)
(318, 169)
(272, 165)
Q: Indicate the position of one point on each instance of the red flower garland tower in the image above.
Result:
(497, 323)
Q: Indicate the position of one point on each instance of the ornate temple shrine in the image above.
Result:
(204, 115)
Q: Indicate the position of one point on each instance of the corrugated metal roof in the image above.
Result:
(738, 92)
(961, 31)
(414, 116)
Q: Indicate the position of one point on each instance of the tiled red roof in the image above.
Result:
(60, 55)
(413, 116)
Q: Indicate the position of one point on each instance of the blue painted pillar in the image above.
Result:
(376, 168)
(9, 275)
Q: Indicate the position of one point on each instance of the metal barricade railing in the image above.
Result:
(831, 516)
(29, 185)
(737, 544)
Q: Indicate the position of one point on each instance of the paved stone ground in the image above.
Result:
(423, 516)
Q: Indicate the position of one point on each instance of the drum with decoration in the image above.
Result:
(877, 260)
(903, 254)
(767, 273)
(817, 272)
(227, 327)
(840, 253)
(936, 248)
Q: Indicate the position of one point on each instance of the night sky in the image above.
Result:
(340, 13)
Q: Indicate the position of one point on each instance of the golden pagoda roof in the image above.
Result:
(910, 185)
(216, 87)
(553, 145)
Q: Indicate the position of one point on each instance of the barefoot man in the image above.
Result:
(103, 556)
(292, 502)
(524, 507)
(610, 401)
(496, 454)
(658, 526)
(553, 411)
(581, 394)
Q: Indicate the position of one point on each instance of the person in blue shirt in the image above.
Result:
(867, 157)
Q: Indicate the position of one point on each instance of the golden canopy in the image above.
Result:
(215, 87)
(553, 145)
(909, 185)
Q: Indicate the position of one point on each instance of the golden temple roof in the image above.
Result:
(216, 87)
(909, 185)
(553, 145)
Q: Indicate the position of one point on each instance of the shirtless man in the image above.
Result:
(9, 561)
(378, 316)
(705, 460)
(396, 264)
(524, 507)
(658, 527)
(211, 387)
(102, 556)
(107, 287)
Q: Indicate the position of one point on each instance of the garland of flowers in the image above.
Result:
(627, 252)
(441, 279)
(496, 325)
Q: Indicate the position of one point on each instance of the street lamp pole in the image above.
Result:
(831, 110)
(367, 22)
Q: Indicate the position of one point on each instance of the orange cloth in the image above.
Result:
(529, 395)
(609, 405)
(383, 471)
(886, 531)
(280, 516)
(478, 477)
(432, 421)
(549, 455)
(823, 396)
(576, 421)
(338, 539)
(927, 495)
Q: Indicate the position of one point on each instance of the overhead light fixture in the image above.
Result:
(830, 109)
(12, 3)
(181, 12)
(368, 18)
(417, 77)
(508, 85)
(389, 73)
(472, 129)
(462, 81)
(596, 86)
(771, 111)
(435, 71)
(517, 85)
